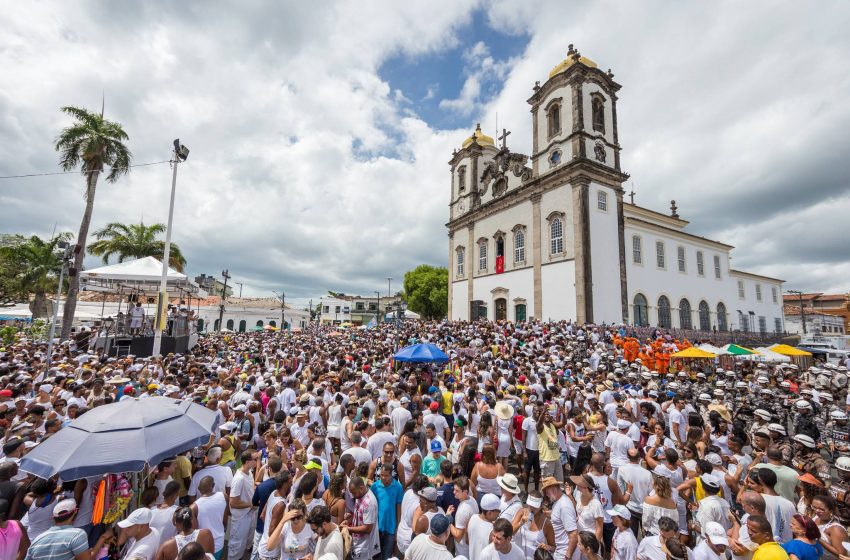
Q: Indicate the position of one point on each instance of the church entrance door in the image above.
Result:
(501, 309)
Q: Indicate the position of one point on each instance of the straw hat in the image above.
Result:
(547, 482)
(504, 410)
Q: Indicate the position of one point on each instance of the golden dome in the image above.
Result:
(569, 61)
(481, 138)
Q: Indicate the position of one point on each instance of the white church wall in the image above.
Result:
(517, 283)
(605, 255)
(559, 291)
(504, 221)
(460, 305)
(653, 282)
(558, 199)
(752, 307)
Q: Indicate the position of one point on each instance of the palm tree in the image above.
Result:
(91, 143)
(134, 241)
(40, 262)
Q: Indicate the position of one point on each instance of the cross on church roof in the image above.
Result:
(504, 138)
(632, 195)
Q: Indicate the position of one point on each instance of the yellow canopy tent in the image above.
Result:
(786, 350)
(692, 352)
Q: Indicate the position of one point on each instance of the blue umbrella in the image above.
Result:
(421, 353)
(122, 437)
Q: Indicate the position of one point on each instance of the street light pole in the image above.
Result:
(377, 308)
(282, 296)
(226, 275)
(240, 289)
(389, 283)
(181, 152)
(65, 256)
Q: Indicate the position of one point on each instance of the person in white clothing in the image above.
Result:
(142, 540)
(399, 416)
(636, 483)
(564, 518)
(501, 547)
(468, 507)
(431, 545)
(713, 546)
(480, 526)
(328, 537)
(209, 511)
(222, 476)
(241, 509)
(651, 547)
(617, 445)
(624, 543)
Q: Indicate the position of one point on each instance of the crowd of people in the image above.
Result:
(536, 440)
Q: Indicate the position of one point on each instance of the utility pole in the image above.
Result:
(181, 152)
(282, 297)
(240, 289)
(802, 311)
(378, 308)
(225, 274)
(389, 283)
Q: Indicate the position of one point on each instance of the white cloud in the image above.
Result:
(309, 172)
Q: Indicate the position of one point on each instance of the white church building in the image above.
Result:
(549, 236)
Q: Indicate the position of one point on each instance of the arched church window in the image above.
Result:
(664, 312)
(556, 236)
(500, 245)
(704, 316)
(461, 178)
(598, 113)
(641, 314)
(460, 256)
(554, 119)
(519, 245)
(721, 318)
(482, 255)
(555, 158)
(685, 314)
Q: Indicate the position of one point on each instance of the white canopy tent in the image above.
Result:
(141, 276)
(713, 349)
(767, 355)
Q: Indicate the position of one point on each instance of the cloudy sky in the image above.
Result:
(320, 131)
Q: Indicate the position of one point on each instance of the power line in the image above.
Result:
(75, 172)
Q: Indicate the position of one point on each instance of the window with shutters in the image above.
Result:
(460, 263)
(519, 245)
(680, 257)
(741, 294)
(700, 264)
(659, 254)
(602, 200)
(637, 250)
(482, 255)
(758, 292)
(556, 236)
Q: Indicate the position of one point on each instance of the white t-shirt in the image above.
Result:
(563, 523)
(490, 553)
(296, 545)
(588, 514)
(423, 548)
(676, 417)
(439, 422)
(330, 544)
(399, 418)
(619, 445)
(464, 513)
(703, 552)
(624, 545)
(478, 533)
(222, 476)
(242, 487)
(145, 547)
(530, 426)
(641, 481)
(779, 512)
(650, 549)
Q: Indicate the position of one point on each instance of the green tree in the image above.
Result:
(427, 291)
(134, 241)
(37, 264)
(91, 144)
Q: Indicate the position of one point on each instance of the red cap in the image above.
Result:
(522, 379)
(434, 406)
(5, 393)
(129, 390)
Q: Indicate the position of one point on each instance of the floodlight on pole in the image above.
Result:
(181, 152)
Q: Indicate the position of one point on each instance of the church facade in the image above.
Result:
(549, 235)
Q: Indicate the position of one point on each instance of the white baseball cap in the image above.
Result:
(141, 516)
(715, 533)
(619, 511)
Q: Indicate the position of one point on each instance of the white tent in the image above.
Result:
(713, 349)
(408, 315)
(768, 355)
(141, 276)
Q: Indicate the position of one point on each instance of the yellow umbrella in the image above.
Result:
(786, 350)
(692, 352)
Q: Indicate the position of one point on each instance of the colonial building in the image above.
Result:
(550, 236)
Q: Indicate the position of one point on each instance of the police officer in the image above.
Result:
(840, 490)
(838, 434)
(805, 422)
(807, 458)
(778, 436)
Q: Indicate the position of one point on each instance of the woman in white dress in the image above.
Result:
(334, 420)
(659, 503)
(293, 536)
(504, 423)
(589, 513)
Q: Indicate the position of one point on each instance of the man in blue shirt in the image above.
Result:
(389, 494)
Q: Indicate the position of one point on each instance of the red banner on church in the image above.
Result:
(500, 264)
